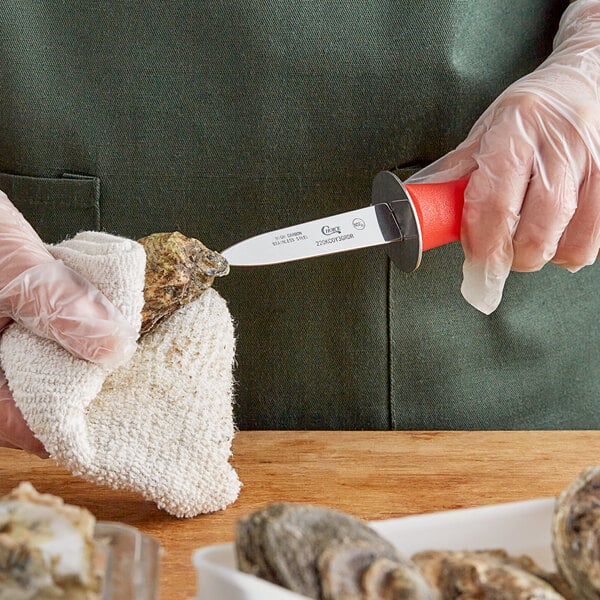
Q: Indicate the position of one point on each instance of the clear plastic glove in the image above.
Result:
(53, 301)
(14, 432)
(533, 159)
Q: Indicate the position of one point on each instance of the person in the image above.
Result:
(225, 123)
(533, 160)
(53, 301)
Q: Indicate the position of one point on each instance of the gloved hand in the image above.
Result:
(14, 432)
(53, 301)
(533, 159)
(177, 388)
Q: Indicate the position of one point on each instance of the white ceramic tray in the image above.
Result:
(518, 527)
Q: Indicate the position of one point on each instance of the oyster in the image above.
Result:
(386, 579)
(340, 568)
(46, 548)
(323, 554)
(354, 570)
(485, 574)
(575, 534)
(178, 270)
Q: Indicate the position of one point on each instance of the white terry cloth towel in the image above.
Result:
(161, 425)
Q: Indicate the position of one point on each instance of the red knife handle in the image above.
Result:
(424, 216)
(439, 209)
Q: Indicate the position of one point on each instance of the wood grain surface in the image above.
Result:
(373, 475)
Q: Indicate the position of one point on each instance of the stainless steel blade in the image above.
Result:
(362, 228)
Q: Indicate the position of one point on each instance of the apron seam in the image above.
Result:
(391, 414)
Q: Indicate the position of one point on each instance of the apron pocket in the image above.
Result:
(56, 208)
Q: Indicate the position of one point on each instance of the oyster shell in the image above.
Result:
(340, 568)
(575, 534)
(178, 270)
(322, 553)
(46, 548)
(357, 571)
(386, 579)
(484, 574)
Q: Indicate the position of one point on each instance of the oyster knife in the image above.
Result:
(406, 219)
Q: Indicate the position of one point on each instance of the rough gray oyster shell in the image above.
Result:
(487, 575)
(323, 554)
(386, 579)
(576, 534)
(178, 270)
(340, 567)
(357, 571)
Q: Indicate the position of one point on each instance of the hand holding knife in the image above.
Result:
(406, 219)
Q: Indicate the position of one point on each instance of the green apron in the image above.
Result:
(226, 119)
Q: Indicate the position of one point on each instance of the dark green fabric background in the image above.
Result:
(225, 119)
